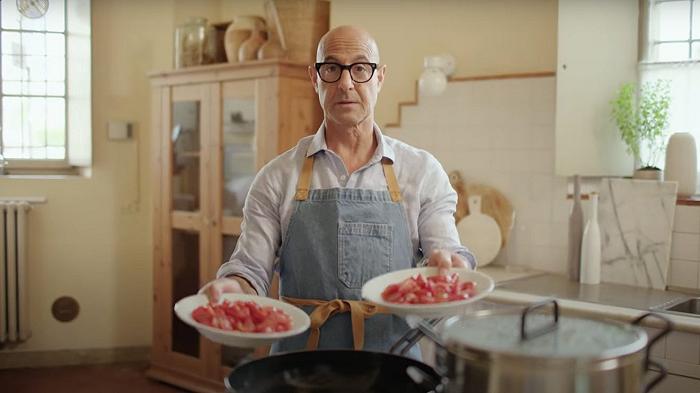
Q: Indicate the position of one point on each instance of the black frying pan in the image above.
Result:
(343, 371)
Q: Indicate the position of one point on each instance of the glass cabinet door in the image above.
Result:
(185, 169)
(185, 202)
(238, 141)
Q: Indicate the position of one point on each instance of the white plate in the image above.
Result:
(372, 291)
(300, 321)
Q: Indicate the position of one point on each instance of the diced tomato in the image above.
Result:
(243, 316)
(203, 314)
(434, 289)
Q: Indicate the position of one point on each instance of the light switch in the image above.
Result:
(118, 130)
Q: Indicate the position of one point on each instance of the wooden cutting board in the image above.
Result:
(479, 233)
(493, 203)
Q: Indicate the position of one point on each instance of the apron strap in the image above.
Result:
(359, 311)
(304, 182)
(391, 181)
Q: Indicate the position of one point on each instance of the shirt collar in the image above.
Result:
(318, 143)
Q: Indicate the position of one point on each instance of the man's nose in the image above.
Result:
(345, 81)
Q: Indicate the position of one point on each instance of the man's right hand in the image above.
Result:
(232, 284)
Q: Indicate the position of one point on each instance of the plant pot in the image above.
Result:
(648, 173)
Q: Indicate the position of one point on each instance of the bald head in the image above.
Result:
(347, 38)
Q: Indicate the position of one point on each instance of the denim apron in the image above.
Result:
(336, 241)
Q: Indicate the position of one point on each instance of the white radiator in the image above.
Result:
(14, 305)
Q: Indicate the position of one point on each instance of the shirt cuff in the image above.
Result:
(471, 259)
(238, 270)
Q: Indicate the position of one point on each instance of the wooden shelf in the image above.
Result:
(693, 200)
(685, 201)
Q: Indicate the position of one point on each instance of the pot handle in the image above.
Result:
(524, 334)
(668, 326)
(412, 336)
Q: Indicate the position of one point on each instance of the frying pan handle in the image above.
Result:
(524, 334)
(668, 326)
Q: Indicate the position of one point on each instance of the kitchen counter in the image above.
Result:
(612, 301)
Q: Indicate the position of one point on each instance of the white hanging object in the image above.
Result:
(590, 246)
(682, 163)
(433, 80)
(480, 233)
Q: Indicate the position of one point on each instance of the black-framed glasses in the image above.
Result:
(359, 72)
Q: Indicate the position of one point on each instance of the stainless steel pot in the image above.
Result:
(513, 351)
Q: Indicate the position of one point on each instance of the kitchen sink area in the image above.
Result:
(605, 294)
(685, 307)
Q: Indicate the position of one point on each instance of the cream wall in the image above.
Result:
(92, 240)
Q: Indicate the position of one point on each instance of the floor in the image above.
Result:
(111, 378)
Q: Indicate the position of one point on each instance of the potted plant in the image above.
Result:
(642, 122)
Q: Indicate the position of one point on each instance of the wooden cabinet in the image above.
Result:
(213, 128)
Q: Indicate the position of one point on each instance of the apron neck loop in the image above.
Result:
(304, 182)
(391, 181)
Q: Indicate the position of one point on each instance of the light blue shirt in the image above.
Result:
(428, 198)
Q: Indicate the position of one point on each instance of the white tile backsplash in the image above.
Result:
(687, 219)
(501, 132)
(685, 246)
(684, 273)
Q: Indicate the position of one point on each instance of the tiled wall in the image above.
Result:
(501, 132)
(685, 248)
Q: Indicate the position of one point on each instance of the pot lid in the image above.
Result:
(500, 332)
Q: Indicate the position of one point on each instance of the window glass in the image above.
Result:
(673, 20)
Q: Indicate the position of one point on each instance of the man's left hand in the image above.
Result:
(444, 260)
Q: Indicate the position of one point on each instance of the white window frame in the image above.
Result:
(647, 43)
(78, 100)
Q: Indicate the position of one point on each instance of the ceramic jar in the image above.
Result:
(249, 48)
(239, 32)
(682, 163)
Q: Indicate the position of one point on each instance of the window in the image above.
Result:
(674, 29)
(672, 52)
(45, 86)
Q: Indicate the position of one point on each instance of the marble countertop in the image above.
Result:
(610, 301)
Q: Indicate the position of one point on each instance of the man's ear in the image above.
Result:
(381, 71)
(313, 76)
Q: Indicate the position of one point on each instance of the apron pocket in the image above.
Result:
(364, 251)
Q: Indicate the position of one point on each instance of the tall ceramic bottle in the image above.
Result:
(682, 163)
(590, 246)
(575, 233)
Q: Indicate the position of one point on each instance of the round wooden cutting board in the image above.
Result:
(480, 233)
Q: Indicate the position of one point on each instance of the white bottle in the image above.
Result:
(590, 246)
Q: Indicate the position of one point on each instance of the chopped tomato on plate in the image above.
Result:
(434, 289)
(243, 316)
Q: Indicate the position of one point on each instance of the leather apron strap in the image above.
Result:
(359, 311)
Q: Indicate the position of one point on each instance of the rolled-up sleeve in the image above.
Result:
(256, 249)
(436, 221)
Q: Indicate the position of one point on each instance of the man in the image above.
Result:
(343, 206)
